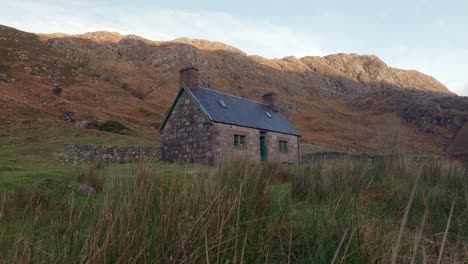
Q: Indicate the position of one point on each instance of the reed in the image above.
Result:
(239, 212)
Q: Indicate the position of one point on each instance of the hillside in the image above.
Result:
(343, 101)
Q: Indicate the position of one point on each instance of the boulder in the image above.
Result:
(86, 190)
(68, 116)
(3, 77)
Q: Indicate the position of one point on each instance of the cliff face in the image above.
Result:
(346, 101)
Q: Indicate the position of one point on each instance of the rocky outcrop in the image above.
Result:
(107, 154)
(427, 110)
(106, 75)
(369, 69)
(352, 77)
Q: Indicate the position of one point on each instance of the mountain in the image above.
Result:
(342, 101)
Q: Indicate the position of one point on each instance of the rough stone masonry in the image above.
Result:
(108, 154)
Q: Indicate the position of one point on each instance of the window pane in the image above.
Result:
(283, 145)
(239, 141)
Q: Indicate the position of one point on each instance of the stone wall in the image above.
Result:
(108, 154)
(330, 155)
(188, 135)
(225, 149)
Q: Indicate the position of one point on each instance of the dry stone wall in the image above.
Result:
(330, 155)
(107, 154)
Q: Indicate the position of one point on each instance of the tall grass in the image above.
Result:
(340, 212)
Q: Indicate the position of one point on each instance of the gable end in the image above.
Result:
(194, 100)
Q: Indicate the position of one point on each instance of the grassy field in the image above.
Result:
(30, 150)
(156, 212)
(340, 212)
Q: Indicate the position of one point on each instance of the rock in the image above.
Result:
(106, 157)
(68, 116)
(3, 77)
(22, 57)
(364, 82)
(85, 190)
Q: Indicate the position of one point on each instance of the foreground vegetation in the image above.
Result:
(326, 212)
(31, 150)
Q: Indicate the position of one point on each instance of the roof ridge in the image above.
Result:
(240, 97)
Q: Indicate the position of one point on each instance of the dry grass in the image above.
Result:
(340, 212)
(90, 178)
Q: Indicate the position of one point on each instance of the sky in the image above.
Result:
(424, 35)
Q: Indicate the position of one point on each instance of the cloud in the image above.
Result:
(254, 37)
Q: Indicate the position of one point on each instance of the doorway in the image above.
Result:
(263, 146)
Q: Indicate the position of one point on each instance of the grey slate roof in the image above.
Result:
(242, 112)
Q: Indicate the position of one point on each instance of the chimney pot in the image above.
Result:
(189, 77)
(270, 100)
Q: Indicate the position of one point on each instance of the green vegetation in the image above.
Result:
(4, 68)
(113, 126)
(31, 152)
(307, 148)
(151, 211)
(57, 90)
(346, 211)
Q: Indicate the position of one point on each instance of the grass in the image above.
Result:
(339, 212)
(31, 149)
(307, 148)
(151, 211)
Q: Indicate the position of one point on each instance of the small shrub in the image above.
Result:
(57, 90)
(124, 86)
(112, 126)
(4, 68)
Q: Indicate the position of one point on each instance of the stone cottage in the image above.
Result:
(210, 127)
(457, 148)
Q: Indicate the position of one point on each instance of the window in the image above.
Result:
(222, 104)
(239, 141)
(283, 146)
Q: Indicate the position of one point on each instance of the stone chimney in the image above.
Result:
(270, 100)
(189, 77)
